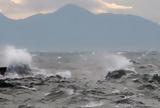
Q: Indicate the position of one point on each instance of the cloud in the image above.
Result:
(113, 5)
(19, 9)
(116, 6)
(100, 10)
(17, 1)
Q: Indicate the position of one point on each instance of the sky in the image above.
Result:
(19, 9)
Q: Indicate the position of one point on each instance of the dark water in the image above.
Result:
(77, 80)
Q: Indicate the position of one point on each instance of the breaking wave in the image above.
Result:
(92, 66)
(11, 55)
(97, 65)
(117, 62)
(65, 74)
(16, 61)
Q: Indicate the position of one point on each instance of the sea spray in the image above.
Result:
(17, 61)
(96, 67)
(11, 55)
(64, 74)
(117, 62)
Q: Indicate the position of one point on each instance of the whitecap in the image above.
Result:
(93, 104)
(64, 74)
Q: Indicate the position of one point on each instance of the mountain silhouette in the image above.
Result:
(74, 28)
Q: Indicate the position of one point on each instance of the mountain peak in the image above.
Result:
(70, 8)
(73, 27)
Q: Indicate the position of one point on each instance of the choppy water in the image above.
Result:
(77, 80)
(90, 65)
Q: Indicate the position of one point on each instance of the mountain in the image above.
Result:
(74, 28)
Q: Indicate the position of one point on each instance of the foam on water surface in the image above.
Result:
(11, 55)
(93, 104)
(64, 74)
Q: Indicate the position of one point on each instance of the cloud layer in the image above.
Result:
(18, 9)
(113, 5)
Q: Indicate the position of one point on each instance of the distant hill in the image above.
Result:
(72, 27)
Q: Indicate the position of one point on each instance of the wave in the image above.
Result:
(92, 65)
(11, 55)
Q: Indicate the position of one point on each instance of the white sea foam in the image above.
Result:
(102, 63)
(116, 62)
(11, 55)
(64, 74)
(25, 87)
(41, 72)
(15, 59)
(93, 104)
(11, 76)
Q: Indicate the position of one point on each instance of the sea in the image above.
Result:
(78, 79)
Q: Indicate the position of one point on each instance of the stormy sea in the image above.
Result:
(79, 79)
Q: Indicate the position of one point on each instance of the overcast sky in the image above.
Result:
(17, 9)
